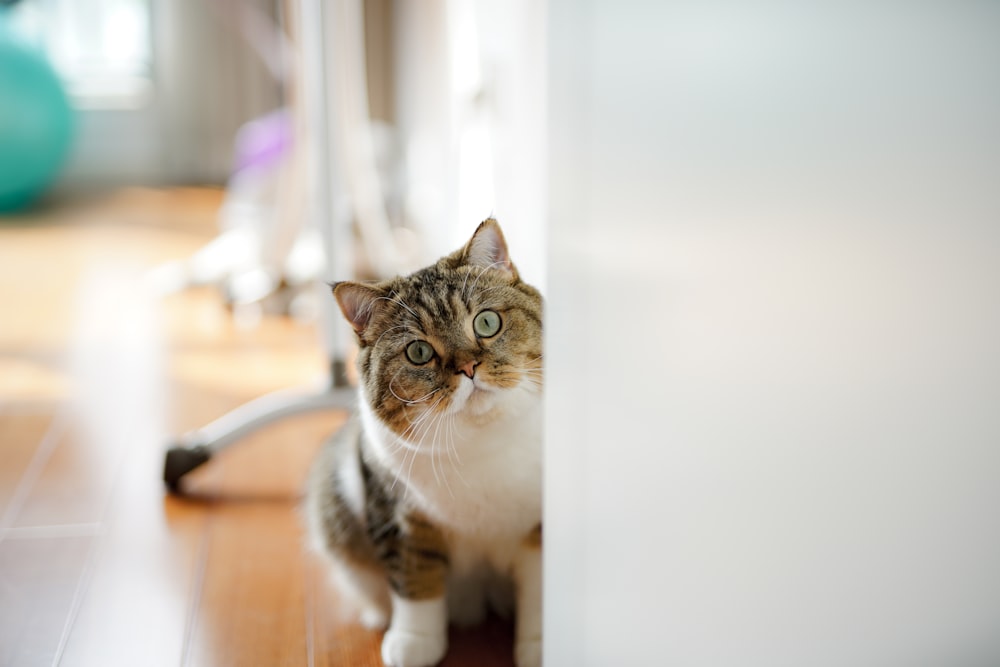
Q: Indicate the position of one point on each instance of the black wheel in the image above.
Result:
(180, 461)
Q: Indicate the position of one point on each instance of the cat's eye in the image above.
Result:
(486, 324)
(419, 352)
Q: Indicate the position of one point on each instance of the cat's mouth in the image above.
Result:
(472, 395)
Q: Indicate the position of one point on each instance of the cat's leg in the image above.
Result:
(417, 565)
(528, 578)
(335, 517)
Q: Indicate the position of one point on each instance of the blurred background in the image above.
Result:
(178, 183)
(426, 119)
(768, 238)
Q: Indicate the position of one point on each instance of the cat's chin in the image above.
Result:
(473, 398)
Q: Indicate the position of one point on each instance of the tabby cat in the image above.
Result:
(429, 502)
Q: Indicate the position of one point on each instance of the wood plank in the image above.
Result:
(39, 580)
(252, 609)
(270, 464)
(144, 576)
(31, 382)
(74, 486)
(153, 606)
(44, 300)
(335, 642)
(20, 436)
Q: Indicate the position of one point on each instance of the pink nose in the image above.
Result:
(469, 369)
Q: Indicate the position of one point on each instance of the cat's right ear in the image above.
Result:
(357, 302)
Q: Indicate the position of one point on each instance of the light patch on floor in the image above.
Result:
(116, 359)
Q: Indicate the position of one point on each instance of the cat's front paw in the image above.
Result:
(407, 649)
(528, 653)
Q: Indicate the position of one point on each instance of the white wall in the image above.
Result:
(773, 426)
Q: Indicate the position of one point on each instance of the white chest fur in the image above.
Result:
(481, 482)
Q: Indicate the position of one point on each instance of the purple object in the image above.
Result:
(264, 142)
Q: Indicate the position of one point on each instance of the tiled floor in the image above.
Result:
(98, 566)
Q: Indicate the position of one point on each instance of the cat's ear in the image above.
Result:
(357, 302)
(488, 249)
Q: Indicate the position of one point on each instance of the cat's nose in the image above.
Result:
(469, 368)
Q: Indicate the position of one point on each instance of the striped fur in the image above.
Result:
(435, 490)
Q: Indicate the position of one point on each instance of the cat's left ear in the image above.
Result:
(357, 302)
(488, 249)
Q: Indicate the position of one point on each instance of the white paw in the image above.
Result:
(528, 653)
(406, 649)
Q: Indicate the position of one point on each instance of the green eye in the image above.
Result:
(486, 324)
(419, 352)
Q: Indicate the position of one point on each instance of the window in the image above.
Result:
(101, 48)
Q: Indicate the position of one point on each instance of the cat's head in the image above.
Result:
(461, 337)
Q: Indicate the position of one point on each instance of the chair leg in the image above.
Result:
(196, 448)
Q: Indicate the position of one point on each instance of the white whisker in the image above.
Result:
(395, 298)
(453, 450)
(482, 272)
(398, 326)
(434, 447)
(464, 283)
(411, 450)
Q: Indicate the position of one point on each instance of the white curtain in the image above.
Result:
(471, 109)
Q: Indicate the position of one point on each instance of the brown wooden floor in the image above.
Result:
(98, 566)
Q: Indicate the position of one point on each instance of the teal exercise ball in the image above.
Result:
(36, 122)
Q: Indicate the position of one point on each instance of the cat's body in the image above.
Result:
(429, 502)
